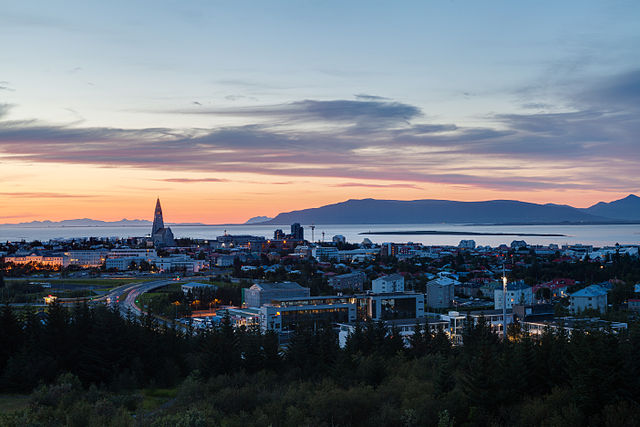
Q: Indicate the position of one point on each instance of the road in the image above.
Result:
(124, 298)
(131, 293)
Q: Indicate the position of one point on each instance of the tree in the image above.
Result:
(418, 341)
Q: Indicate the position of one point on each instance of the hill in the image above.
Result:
(372, 211)
(623, 209)
(258, 220)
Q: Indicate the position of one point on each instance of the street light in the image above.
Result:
(504, 304)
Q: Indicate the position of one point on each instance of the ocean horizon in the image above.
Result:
(593, 234)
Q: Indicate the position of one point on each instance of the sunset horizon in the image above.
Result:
(173, 211)
(226, 119)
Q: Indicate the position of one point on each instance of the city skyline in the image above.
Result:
(232, 111)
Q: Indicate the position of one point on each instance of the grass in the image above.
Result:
(101, 282)
(152, 398)
(13, 402)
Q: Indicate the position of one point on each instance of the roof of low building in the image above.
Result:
(278, 286)
(395, 276)
(590, 291)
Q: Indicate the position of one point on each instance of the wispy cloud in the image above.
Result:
(369, 113)
(365, 97)
(44, 195)
(366, 185)
(6, 86)
(187, 180)
(593, 146)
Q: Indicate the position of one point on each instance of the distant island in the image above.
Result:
(459, 233)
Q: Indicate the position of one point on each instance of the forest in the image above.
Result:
(88, 365)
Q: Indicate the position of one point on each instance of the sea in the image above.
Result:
(596, 235)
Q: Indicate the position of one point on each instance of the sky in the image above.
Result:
(229, 110)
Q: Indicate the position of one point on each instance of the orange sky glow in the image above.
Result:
(41, 191)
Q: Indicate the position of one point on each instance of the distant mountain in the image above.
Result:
(372, 211)
(624, 209)
(258, 219)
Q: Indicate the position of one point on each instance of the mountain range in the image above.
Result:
(88, 222)
(372, 211)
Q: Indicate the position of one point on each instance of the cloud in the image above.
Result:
(376, 139)
(45, 195)
(366, 114)
(362, 184)
(186, 180)
(24, 215)
(536, 106)
(620, 92)
(5, 86)
(4, 110)
(365, 97)
(239, 97)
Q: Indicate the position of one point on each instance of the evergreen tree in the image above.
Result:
(419, 341)
(444, 380)
(11, 335)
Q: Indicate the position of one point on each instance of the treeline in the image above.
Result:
(94, 343)
(242, 377)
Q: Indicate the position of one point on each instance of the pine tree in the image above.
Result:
(418, 341)
(11, 335)
(444, 380)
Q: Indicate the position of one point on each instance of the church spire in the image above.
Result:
(158, 223)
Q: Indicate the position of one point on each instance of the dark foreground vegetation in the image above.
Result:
(87, 366)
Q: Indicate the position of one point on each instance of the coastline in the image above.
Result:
(457, 233)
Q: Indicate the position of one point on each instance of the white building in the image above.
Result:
(592, 297)
(405, 327)
(440, 292)
(263, 293)
(52, 261)
(388, 284)
(225, 260)
(517, 294)
(121, 263)
(357, 255)
(86, 258)
(325, 253)
(180, 262)
(138, 253)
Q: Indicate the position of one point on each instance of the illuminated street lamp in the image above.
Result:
(504, 304)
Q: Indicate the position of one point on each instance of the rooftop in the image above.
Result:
(395, 276)
(278, 286)
(590, 291)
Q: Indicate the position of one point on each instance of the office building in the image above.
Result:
(263, 293)
(297, 231)
(517, 293)
(440, 292)
(350, 281)
(388, 284)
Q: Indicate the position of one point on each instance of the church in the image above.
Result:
(160, 235)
